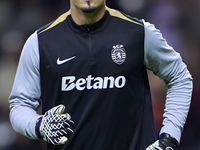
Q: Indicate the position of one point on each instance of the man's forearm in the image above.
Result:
(23, 120)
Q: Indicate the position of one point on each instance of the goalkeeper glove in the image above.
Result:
(54, 126)
(166, 142)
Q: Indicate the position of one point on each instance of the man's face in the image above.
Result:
(88, 6)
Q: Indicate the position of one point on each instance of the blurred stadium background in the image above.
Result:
(178, 20)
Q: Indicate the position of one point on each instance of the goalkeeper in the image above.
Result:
(88, 69)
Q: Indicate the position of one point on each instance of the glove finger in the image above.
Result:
(59, 109)
(64, 132)
(68, 123)
(55, 110)
(58, 140)
(69, 130)
(62, 140)
(67, 116)
(68, 127)
(61, 132)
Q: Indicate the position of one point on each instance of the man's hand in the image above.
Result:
(166, 142)
(54, 127)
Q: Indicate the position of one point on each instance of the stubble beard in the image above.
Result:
(89, 10)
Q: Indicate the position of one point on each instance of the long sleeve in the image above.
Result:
(25, 96)
(167, 64)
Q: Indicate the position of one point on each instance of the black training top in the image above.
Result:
(97, 71)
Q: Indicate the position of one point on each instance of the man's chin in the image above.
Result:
(88, 10)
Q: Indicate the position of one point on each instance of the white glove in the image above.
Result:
(54, 127)
(166, 142)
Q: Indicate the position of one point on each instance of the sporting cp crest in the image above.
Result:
(118, 54)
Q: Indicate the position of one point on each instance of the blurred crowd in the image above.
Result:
(178, 20)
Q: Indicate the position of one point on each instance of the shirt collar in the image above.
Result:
(98, 26)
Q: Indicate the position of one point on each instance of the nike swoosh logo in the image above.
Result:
(60, 62)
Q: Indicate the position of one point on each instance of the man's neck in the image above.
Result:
(82, 18)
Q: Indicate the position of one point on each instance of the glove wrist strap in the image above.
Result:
(37, 128)
(165, 138)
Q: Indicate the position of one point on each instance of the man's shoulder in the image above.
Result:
(124, 16)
